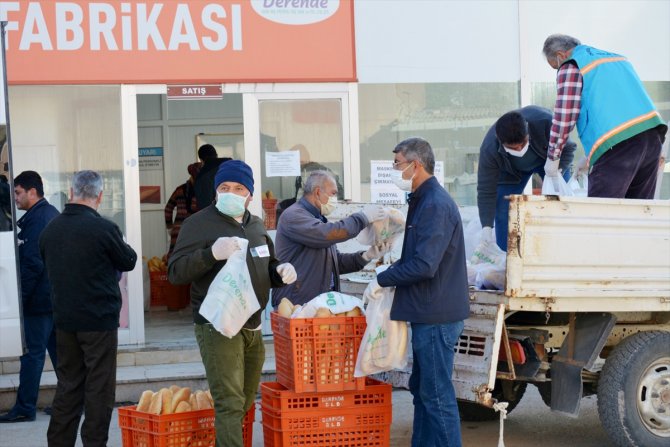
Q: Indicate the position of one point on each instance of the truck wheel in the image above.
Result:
(544, 388)
(513, 393)
(634, 391)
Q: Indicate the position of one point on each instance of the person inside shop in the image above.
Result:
(37, 312)
(306, 239)
(204, 181)
(618, 124)
(514, 149)
(184, 201)
(5, 204)
(84, 254)
(206, 240)
(431, 292)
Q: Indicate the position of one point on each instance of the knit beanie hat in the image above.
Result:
(235, 171)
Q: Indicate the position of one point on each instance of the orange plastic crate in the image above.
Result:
(363, 436)
(193, 428)
(317, 354)
(276, 398)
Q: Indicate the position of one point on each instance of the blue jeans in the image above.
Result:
(40, 337)
(502, 205)
(436, 419)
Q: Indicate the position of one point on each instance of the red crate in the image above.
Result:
(317, 354)
(193, 428)
(276, 398)
(363, 436)
(164, 293)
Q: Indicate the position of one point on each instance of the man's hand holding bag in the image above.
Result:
(231, 299)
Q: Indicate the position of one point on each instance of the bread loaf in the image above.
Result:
(202, 400)
(174, 389)
(145, 401)
(208, 393)
(167, 401)
(193, 402)
(156, 405)
(183, 407)
(182, 395)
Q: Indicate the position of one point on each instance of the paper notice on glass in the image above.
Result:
(282, 164)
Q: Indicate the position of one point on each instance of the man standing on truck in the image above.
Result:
(619, 126)
(513, 150)
(431, 292)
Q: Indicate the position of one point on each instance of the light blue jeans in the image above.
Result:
(436, 419)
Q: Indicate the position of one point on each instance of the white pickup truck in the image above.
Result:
(585, 310)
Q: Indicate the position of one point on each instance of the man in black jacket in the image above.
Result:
(513, 150)
(84, 254)
(204, 182)
(38, 324)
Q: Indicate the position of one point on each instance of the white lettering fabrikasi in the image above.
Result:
(35, 19)
(70, 17)
(102, 27)
(183, 20)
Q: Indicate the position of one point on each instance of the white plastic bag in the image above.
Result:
(385, 230)
(384, 343)
(555, 186)
(231, 299)
(579, 185)
(336, 302)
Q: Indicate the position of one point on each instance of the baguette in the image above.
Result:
(182, 395)
(174, 389)
(145, 401)
(183, 407)
(193, 402)
(167, 401)
(208, 393)
(202, 400)
(156, 404)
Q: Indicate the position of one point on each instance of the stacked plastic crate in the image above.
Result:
(316, 400)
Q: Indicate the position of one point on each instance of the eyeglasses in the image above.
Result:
(396, 163)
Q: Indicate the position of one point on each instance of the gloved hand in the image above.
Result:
(487, 235)
(287, 273)
(373, 291)
(551, 168)
(581, 168)
(373, 213)
(224, 247)
(377, 251)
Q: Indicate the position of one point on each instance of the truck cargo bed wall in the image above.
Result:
(588, 247)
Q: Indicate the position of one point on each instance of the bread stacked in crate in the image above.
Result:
(174, 417)
(316, 400)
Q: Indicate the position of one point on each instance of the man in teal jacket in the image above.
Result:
(619, 126)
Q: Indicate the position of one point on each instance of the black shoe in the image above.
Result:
(13, 417)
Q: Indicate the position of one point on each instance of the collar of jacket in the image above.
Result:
(425, 186)
(312, 209)
(40, 203)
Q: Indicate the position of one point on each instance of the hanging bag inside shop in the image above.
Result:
(384, 344)
(230, 299)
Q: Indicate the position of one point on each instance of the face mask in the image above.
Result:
(520, 153)
(329, 207)
(231, 204)
(396, 178)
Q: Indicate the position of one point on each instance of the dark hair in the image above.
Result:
(512, 128)
(417, 148)
(206, 152)
(28, 180)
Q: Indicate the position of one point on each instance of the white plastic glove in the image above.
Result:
(581, 168)
(487, 235)
(287, 273)
(373, 291)
(224, 247)
(373, 213)
(377, 251)
(551, 168)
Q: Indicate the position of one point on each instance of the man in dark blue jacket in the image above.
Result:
(431, 292)
(38, 325)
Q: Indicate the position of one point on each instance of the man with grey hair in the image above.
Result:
(619, 126)
(308, 241)
(431, 292)
(84, 254)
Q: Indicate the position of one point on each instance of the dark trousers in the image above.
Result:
(40, 337)
(86, 380)
(629, 169)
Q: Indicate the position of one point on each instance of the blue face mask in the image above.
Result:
(231, 204)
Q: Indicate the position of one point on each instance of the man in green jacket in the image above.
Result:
(206, 240)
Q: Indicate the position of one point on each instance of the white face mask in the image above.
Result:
(520, 153)
(329, 207)
(396, 178)
(231, 204)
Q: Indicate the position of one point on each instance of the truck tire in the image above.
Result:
(473, 412)
(634, 391)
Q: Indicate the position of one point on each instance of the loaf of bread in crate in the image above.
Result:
(174, 399)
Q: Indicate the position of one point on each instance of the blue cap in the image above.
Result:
(235, 171)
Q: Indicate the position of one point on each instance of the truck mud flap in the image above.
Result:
(587, 335)
(476, 355)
